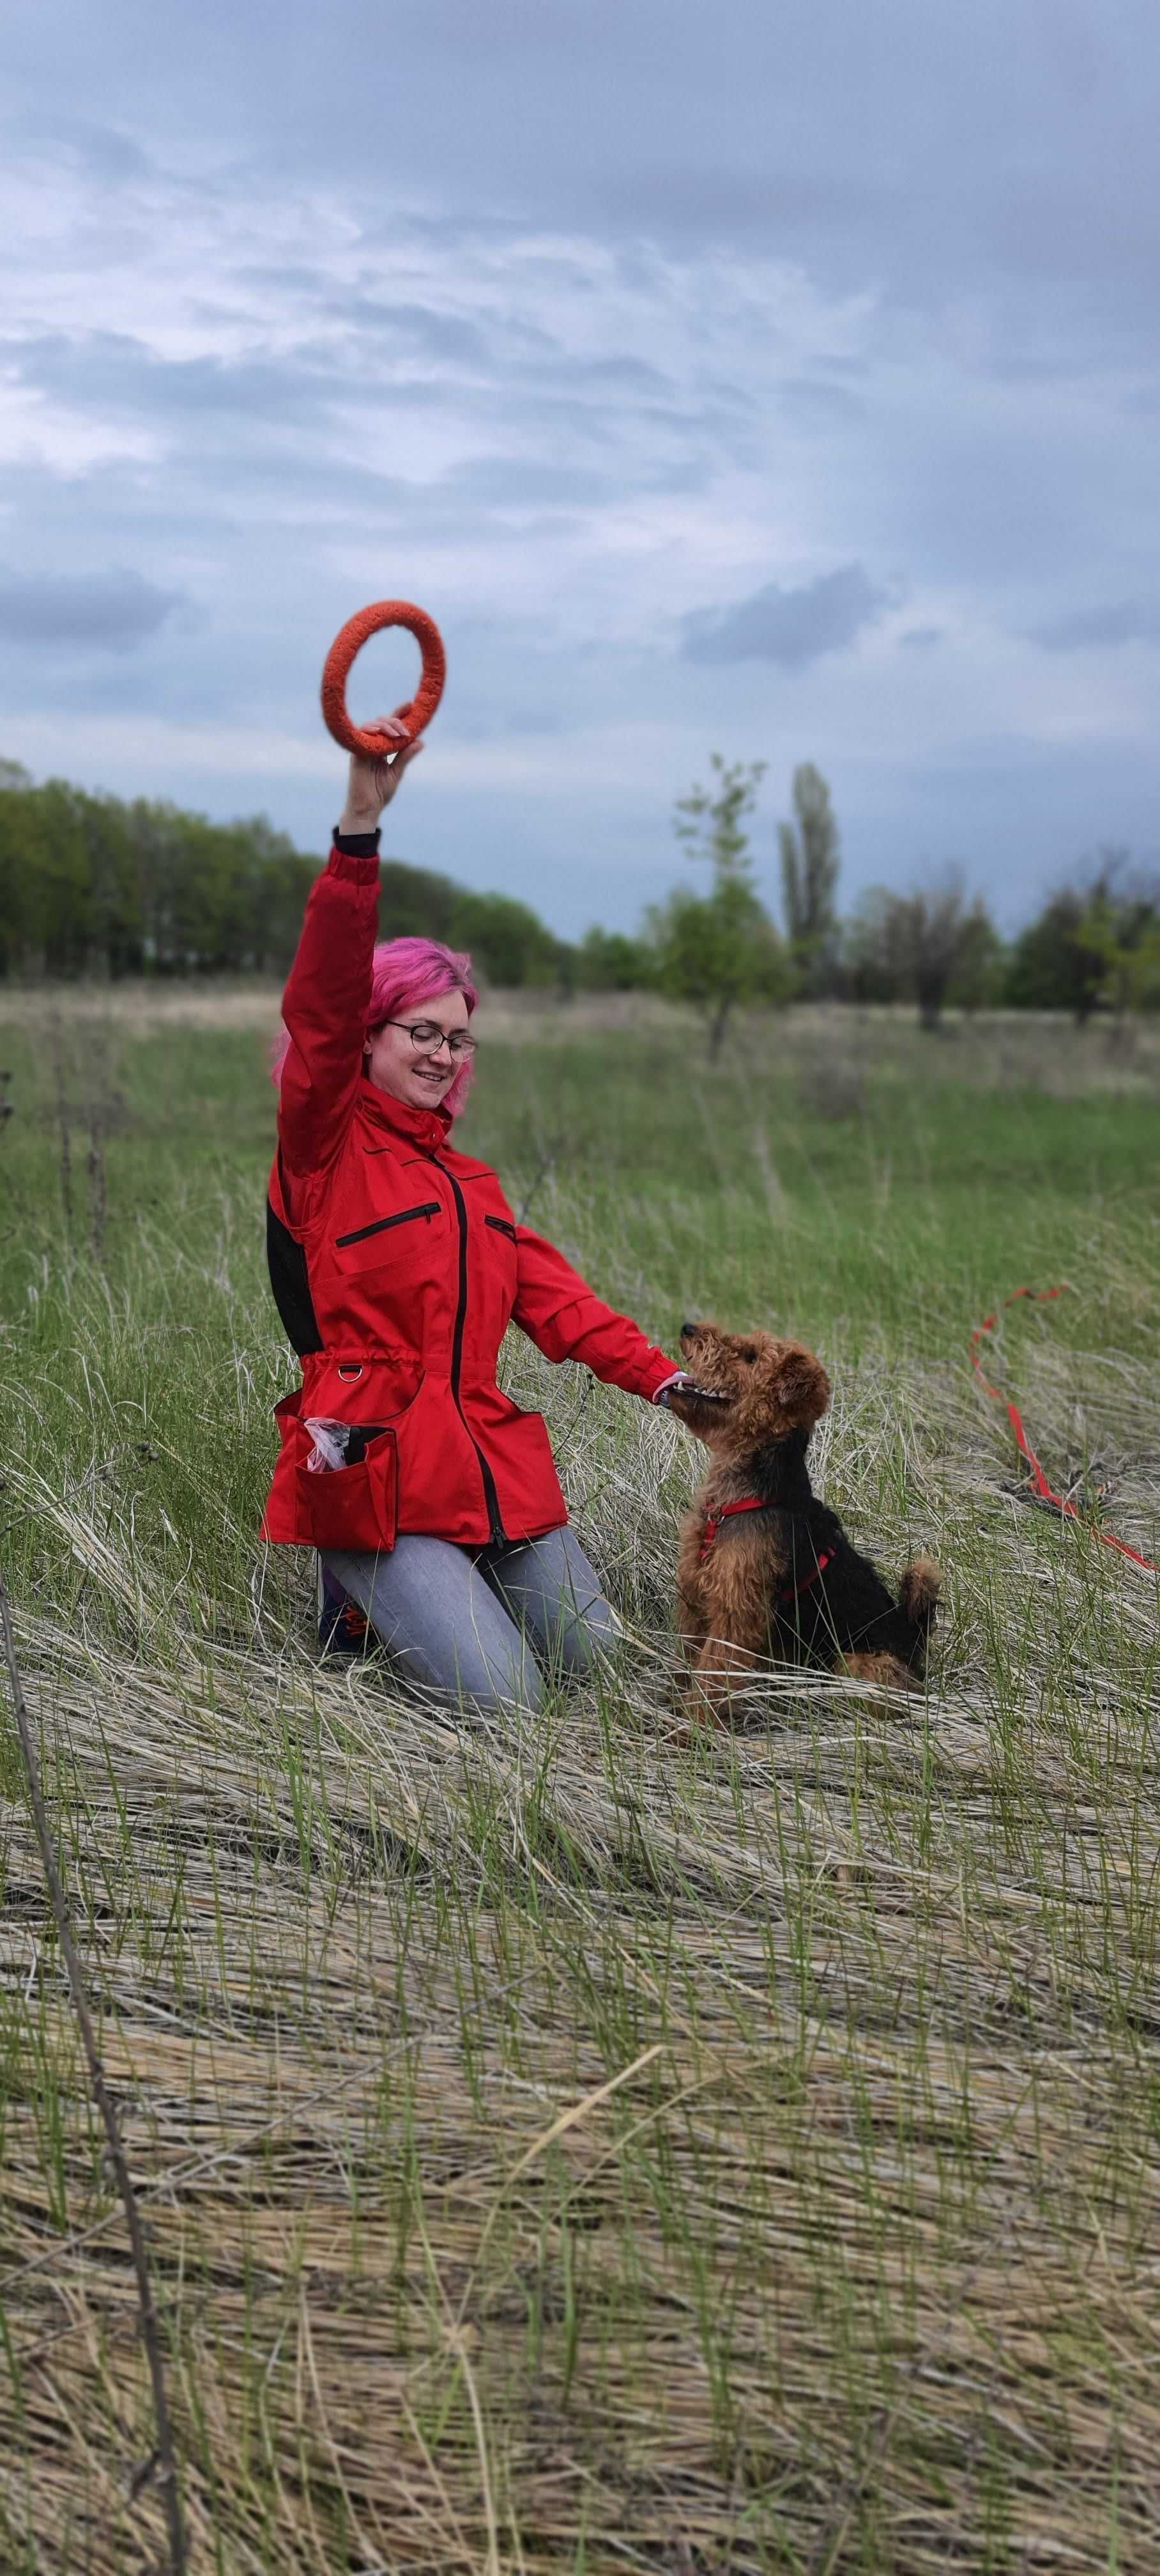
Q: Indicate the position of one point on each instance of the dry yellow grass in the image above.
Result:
(565, 2149)
(835, 1048)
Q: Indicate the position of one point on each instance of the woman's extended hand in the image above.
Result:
(372, 783)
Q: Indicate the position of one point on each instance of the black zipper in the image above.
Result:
(490, 1495)
(429, 1208)
(503, 1225)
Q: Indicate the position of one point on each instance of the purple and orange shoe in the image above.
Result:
(342, 1627)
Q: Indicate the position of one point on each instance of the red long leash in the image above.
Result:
(1040, 1297)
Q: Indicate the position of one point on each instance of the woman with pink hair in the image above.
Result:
(397, 1264)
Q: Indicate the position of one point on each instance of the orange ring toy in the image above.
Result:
(418, 710)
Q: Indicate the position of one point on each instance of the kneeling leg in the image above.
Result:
(441, 1625)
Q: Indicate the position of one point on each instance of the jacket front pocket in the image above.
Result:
(354, 1508)
(502, 1225)
(383, 1224)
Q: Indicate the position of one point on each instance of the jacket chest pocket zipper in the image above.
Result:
(383, 1224)
(502, 1225)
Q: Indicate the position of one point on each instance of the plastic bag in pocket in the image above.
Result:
(330, 1443)
(355, 1507)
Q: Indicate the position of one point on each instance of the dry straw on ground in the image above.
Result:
(565, 2149)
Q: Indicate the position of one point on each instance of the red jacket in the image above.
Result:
(397, 1264)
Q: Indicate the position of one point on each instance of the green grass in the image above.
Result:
(566, 2148)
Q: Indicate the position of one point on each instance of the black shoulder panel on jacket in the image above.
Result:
(290, 1281)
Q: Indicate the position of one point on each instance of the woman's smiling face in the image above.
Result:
(421, 1076)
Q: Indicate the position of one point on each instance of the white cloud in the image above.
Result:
(279, 390)
(62, 438)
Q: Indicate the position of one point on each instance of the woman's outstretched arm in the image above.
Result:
(566, 1320)
(327, 993)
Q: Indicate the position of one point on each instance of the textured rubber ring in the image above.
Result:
(417, 711)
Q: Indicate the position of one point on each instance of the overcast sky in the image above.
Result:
(781, 380)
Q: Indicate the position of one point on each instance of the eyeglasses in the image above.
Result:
(427, 1039)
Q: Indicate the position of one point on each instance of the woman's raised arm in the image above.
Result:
(327, 993)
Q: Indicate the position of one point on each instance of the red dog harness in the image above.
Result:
(790, 1591)
(748, 1503)
(754, 1503)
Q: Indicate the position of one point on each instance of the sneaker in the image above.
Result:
(342, 1626)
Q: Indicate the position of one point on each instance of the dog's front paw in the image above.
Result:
(701, 1709)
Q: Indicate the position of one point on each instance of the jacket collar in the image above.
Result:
(428, 1128)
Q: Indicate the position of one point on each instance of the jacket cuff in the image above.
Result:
(358, 845)
(353, 867)
(661, 1374)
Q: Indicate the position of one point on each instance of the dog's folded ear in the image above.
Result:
(803, 1389)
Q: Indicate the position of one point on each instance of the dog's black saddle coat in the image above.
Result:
(844, 1608)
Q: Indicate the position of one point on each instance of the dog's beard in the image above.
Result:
(697, 1393)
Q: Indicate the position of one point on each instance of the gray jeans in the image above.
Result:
(458, 1620)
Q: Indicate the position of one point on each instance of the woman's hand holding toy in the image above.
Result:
(372, 782)
(375, 773)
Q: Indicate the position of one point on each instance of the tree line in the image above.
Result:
(1094, 945)
(92, 885)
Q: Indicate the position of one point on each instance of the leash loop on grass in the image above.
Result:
(417, 711)
(1046, 1492)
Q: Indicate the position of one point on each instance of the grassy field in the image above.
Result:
(563, 2147)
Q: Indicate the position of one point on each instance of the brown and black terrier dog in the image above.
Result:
(765, 1571)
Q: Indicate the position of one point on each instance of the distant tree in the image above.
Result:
(810, 858)
(607, 961)
(1122, 928)
(977, 981)
(114, 879)
(19, 879)
(53, 889)
(281, 879)
(1093, 947)
(719, 949)
(507, 940)
(1051, 966)
(415, 903)
(873, 967)
(932, 947)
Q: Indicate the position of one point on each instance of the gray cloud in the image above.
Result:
(101, 152)
(1129, 621)
(625, 375)
(790, 626)
(223, 404)
(122, 376)
(555, 349)
(812, 404)
(889, 146)
(445, 337)
(112, 611)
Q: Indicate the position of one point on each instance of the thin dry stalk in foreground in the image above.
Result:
(163, 2466)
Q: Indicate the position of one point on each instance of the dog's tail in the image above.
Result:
(918, 1592)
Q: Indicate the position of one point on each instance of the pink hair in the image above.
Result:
(405, 973)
